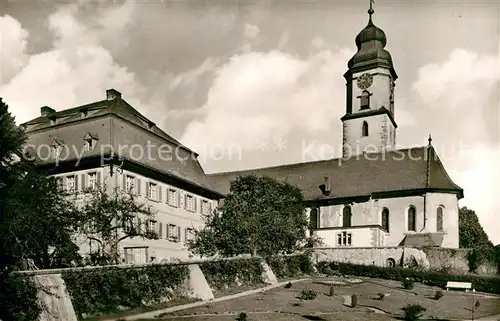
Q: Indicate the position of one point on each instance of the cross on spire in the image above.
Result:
(430, 139)
(371, 11)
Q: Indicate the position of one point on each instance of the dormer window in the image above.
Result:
(90, 142)
(365, 100)
(56, 148)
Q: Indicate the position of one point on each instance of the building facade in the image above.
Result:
(374, 196)
(110, 144)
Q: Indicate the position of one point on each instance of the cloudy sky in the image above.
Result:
(255, 83)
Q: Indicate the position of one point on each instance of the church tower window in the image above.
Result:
(346, 216)
(412, 218)
(364, 129)
(439, 219)
(385, 219)
(365, 100)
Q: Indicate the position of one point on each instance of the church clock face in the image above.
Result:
(365, 81)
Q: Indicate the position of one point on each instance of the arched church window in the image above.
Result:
(346, 216)
(412, 218)
(439, 219)
(364, 129)
(365, 100)
(385, 219)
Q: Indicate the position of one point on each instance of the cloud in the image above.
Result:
(76, 70)
(456, 93)
(259, 96)
(13, 47)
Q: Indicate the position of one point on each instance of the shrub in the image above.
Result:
(242, 316)
(432, 278)
(439, 294)
(407, 283)
(223, 274)
(291, 266)
(332, 291)
(308, 294)
(413, 312)
(19, 298)
(104, 290)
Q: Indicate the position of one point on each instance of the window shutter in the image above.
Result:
(178, 233)
(201, 205)
(139, 227)
(194, 203)
(160, 230)
(168, 231)
(159, 191)
(124, 182)
(76, 183)
(178, 198)
(186, 234)
(98, 177)
(138, 188)
(84, 181)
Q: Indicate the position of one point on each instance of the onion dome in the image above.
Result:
(370, 43)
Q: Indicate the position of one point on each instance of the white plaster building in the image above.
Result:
(109, 142)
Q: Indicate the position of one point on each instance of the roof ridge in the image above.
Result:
(313, 162)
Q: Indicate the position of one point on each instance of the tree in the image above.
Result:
(37, 223)
(260, 216)
(12, 139)
(472, 236)
(109, 218)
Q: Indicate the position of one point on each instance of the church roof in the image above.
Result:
(364, 175)
(423, 240)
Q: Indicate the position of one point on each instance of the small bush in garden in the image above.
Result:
(413, 312)
(439, 294)
(354, 300)
(308, 294)
(288, 285)
(243, 317)
(332, 291)
(381, 296)
(407, 283)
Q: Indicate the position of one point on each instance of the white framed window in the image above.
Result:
(189, 203)
(190, 234)
(130, 183)
(173, 232)
(60, 182)
(89, 145)
(151, 226)
(152, 190)
(172, 197)
(205, 207)
(71, 183)
(56, 150)
(344, 239)
(92, 179)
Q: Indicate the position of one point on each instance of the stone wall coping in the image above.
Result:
(134, 266)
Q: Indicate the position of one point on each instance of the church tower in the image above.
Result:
(369, 124)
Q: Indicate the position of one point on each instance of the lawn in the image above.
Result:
(282, 304)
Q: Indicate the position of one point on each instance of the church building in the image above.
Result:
(375, 195)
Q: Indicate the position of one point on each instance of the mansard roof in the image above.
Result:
(413, 169)
(71, 126)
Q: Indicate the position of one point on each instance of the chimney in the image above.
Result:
(45, 110)
(112, 94)
(325, 187)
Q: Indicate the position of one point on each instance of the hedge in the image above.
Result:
(224, 274)
(106, 290)
(291, 266)
(19, 298)
(480, 283)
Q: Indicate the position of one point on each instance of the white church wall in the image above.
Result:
(449, 203)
